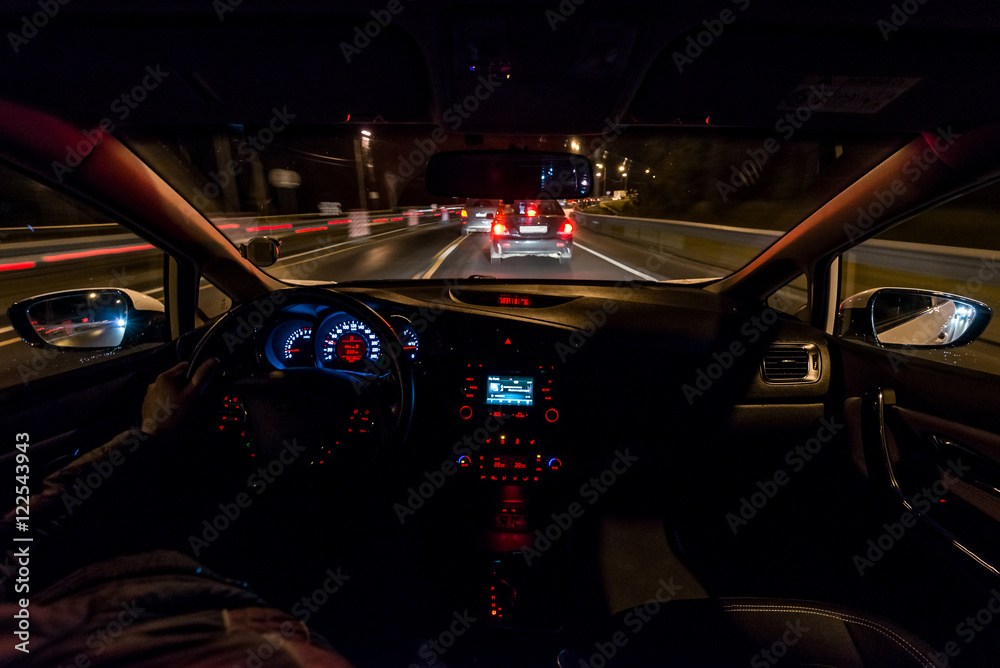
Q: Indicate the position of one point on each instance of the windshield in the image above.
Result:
(348, 202)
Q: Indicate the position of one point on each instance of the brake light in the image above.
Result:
(499, 229)
(567, 228)
(465, 214)
(532, 212)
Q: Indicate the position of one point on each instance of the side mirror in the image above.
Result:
(261, 251)
(97, 319)
(912, 318)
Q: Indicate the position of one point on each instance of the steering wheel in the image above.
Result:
(314, 415)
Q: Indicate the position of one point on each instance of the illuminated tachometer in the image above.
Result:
(296, 347)
(291, 344)
(348, 342)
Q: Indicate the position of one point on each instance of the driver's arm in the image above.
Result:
(92, 494)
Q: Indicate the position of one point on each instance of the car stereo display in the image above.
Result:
(509, 390)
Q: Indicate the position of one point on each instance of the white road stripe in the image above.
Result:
(615, 262)
(439, 258)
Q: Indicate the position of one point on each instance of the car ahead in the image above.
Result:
(529, 228)
(478, 215)
(753, 424)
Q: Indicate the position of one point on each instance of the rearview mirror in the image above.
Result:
(97, 319)
(509, 175)
(911, 318)
(261, 251)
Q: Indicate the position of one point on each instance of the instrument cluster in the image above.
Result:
(334, 341)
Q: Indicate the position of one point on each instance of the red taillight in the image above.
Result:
(532, 212)
(465, 214)
(567, 228)
(499, 228)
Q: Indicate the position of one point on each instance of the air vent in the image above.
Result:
(791, 363)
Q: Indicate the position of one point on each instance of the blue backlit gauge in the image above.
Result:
(349, 342)
(297, 347)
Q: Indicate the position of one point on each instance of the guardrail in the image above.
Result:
(875, 263)
(25, 248)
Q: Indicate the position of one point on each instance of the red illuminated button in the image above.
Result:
(465, 412)
(552, 415)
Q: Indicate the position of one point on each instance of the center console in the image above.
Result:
(510, 416)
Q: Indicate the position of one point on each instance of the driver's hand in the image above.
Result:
(169, 398)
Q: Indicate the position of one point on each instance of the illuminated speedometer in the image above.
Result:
(349, 342)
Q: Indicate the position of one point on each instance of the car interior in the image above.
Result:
(770, 437)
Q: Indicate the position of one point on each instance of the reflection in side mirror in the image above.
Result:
(261, 251)
(904, 317)
(97, 319)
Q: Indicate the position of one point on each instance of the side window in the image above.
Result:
(212, 302)
(953, 248)
(49, 242)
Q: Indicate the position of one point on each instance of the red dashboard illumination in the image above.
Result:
(552, 415)
(465, 412)
(513, 300)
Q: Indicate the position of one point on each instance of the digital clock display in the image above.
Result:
(513, 300)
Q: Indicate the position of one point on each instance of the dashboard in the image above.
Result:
(309, 336)
(529, 402)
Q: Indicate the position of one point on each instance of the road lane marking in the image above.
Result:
(439, 258)
(6, 329)
(352, 242)
(615, 262)
(7, 343)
